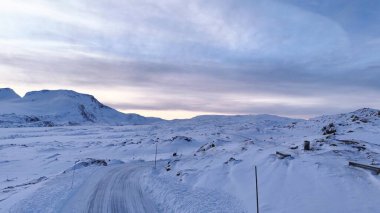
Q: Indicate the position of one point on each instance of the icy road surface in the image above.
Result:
(118, 190)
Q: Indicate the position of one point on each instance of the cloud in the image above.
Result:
(284, 57)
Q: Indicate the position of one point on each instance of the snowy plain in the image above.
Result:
(217, 178)
(205, 164)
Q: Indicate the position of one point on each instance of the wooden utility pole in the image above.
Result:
(257, 192)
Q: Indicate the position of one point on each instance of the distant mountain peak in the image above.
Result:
(53, 93)
(8, 94)
(63, 107)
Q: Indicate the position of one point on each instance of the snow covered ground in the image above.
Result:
(205, 164)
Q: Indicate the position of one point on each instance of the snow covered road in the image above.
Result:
(119, 191)
(113, 189)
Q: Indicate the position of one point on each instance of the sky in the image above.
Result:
(180, 58)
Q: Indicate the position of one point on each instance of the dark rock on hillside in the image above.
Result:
(329, 129)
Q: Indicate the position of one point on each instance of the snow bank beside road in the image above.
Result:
(173, 196)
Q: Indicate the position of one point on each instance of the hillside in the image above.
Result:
(205, 164)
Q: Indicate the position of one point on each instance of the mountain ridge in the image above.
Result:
(68, 107)
(62, 107)
(8, 93)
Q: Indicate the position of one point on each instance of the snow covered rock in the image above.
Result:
(329, 129)
(93, 162)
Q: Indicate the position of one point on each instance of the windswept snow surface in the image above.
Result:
(205, 164)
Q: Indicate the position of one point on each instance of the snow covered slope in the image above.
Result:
(360, 116)
(205, 164)
(60, 107)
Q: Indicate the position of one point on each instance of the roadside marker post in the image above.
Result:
(155, 157)
(72, 180)
(257, 192)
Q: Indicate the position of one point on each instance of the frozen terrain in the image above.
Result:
(205, 164)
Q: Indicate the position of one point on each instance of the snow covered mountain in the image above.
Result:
(8, 94)
(60, 107)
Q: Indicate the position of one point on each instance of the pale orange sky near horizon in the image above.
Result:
(105, 98)
(165, 114)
